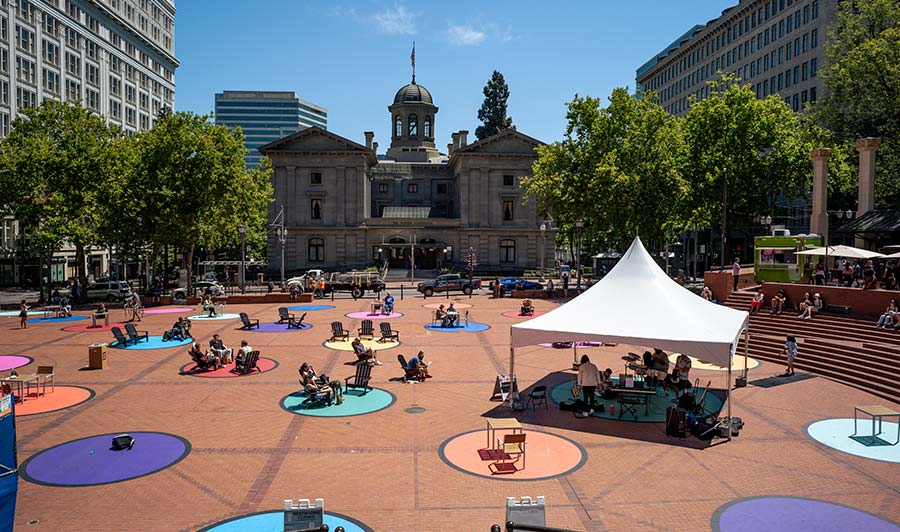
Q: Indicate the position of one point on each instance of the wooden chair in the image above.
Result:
(537, 396)
(121, 339)
(136, 335)
(360, 379)
(512, 445)
(249, 364)
(367, 330)
(248, 323)
(338, 331)
(408, 373)
(47, 373)
(387, 333)
(297, 324)
(285, 316)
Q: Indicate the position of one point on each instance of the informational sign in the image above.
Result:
(9, 476)
(6, 405)
(303, 515)
(526, 511)
(503, 386)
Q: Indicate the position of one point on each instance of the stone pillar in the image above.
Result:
(370, 135)
(366, 192)
(463, 138)
(818, 222)
(866, 148)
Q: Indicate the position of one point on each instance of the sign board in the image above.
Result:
(528, 511)
(503, 385)
(6, 405)
(303, 515)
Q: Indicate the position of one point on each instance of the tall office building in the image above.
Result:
(116, 57)
(777, 46)
(266, 116)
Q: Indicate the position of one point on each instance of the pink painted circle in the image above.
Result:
(447, 304)
(364, 315)
(8, 362)
(515, 314)
(169, 310)
(265, 365)
(547, 456)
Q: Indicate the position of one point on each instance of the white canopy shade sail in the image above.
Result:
(638, 304)
(848, 252)
(892, 256)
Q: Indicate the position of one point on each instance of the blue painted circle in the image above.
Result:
(355, 403)
(155, 342)
(274, 520)
(471, 327)
(311, 307)
(56, 320)
(835, 433)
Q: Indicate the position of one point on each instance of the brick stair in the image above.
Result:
(848, 350)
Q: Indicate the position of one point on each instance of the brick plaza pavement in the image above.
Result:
(383, 469)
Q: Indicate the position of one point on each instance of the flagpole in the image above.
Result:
(412, 59)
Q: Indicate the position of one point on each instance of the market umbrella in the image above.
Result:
(849, 252)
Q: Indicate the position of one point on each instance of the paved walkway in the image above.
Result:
(383, 469)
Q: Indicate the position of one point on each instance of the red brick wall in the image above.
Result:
(863, 303)
(721, 282)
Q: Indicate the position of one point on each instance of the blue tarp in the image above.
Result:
(9, 477)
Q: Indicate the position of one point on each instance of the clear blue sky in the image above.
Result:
(351, 57)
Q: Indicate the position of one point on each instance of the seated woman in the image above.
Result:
(440, 314)
(527, 308)
(451, 319)
(65, 309)
(757, 302)
(778, 303)
(364, 354)
(816, 306)
(208, 306)
(804, 305)
(706, 293)
(317, 391)
(680, 379)
(204, 360)
(889, 317)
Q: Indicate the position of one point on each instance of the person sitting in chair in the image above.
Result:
(660, 364)
(680, 379)
(757, 302)
(451, 319)
(890, 315)
(242, 354)
(418, 364)
(317, 390)
(440, 314)
(364, 354)
(179, 330)
(205, 358)
(527, 308)
(225, 353)
(778, 303)
(65, 309)
(208, 306)
(388, 304)
(706, 293)
(605, 380)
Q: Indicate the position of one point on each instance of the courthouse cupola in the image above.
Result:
(412, 124)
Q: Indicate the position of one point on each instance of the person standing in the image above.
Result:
(588, 380)
(735, 273)
(790, 351)
(23, 315)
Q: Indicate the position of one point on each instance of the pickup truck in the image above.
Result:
(448, 283)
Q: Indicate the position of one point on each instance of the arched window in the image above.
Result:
(507, 251)
(412, 125)
(426, 128)
(316, 250)
(398, 127)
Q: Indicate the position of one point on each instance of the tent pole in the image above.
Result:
(746, 347)
(512, 369)
(729, 401)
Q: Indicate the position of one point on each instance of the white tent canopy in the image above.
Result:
(638, 304)
(849, 252)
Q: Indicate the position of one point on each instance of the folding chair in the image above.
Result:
(512, 445)
(537, 396)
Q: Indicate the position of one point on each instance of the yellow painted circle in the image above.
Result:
(374, 345)
(737, 363)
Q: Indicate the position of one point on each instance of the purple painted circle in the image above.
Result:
(174, 310)
(91, 461)
(782, 514)
(364, 315)
(273, 327)
(8, 362)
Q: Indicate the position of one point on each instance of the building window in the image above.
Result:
(442, 188)
(426, 128)
(814, 38)
(508, 210)
(398, 127)
(412, 188)
(382, 188)
(815, 9)
(315, 209)
(315, 178)
(507, 251)
(316, 250)
(412, 125)
(509, 180)
(813, 67)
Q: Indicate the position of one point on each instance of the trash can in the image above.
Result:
(97, 356)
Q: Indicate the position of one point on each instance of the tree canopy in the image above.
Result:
(493, 112)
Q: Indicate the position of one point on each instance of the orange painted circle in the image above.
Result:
(447, 304)
(62, 397)
(546, 455)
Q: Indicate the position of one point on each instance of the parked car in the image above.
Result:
(312, 275)
(108, 291)
(215, 288)
(511, 283)
(449, 282)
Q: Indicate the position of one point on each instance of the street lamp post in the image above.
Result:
(579, 225)
(543, 248)
(242, 230)
(282, 237)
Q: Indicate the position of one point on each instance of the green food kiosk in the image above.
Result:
(776, 259)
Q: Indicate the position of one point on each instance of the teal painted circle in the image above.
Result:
(154, 342)
(308, 308)
(656, 413)
(355, 403)
(835, 433)
(16, 312)
(274, 521)
(471, 327)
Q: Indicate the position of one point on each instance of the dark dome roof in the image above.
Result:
(413, 93)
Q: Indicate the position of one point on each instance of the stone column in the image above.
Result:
(366, 193)
(818, 222)
(866, 148)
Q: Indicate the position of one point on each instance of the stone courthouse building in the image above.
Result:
(347, 207)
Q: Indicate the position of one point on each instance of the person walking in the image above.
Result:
(790, 351)
(23, 315)
(735, 273)
(588, 380)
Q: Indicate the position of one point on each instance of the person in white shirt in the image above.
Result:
(588, 381)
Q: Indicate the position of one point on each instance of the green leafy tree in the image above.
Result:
(194, 187)
(862, 77)
(753, 145)
(618, 169)
(493, 111)
(57, 168)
